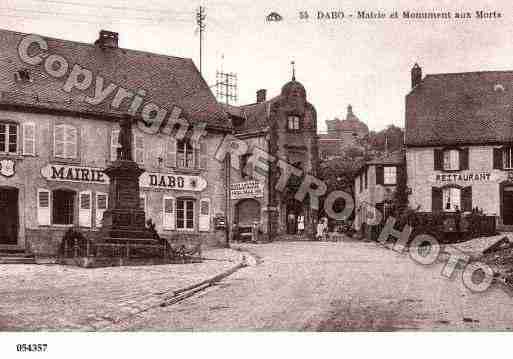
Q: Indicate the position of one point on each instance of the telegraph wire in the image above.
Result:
(126, 8)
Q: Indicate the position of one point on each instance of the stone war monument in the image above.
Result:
(124, 219)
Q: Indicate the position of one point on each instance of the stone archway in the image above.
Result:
(247, 211)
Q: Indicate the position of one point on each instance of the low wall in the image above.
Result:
(46, 242)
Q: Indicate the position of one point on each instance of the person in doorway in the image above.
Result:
(321, 229)
(291, 223)
(301, 225)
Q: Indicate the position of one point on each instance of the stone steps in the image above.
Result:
(15, 256)
(17, 260)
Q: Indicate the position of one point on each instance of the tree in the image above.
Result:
(392, 136)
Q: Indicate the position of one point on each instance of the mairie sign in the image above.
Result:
(157, 181)
(74, 174)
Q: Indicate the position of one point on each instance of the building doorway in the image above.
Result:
(295, 218)
(507, 205)
(247, 212)
(9, 219)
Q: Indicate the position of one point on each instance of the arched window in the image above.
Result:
(185, 154)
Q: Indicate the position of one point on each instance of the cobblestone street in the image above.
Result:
(54, 297)
(334, 286)
(297, 286)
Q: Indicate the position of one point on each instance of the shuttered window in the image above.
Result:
(65, 141)
(168, 213)
(185, 154)
(451, 160)
(390, 175)
(203, 159)
(29, 138)
(142, 201)
(43, 207)
(185, 214)
(114, 144)
(101, 207)
(293, 123)
(204, 215)
(497, 158)
(171, 152)
(85, 209)
(450, 199)
(507, 158)
(139, 149)
(380, 175)
(437, 200)
(8, 138)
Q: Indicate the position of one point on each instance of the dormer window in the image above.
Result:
(293, 123)
(22, 76)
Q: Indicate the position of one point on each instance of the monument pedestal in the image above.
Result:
(124, 219)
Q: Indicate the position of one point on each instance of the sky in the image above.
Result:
(362, 62)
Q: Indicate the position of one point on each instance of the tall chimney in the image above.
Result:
(107, 39)
(261, 95)
(416, 75)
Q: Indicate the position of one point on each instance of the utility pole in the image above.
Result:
(200, 20)
(226, 87)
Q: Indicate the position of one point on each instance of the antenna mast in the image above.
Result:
(200, 20)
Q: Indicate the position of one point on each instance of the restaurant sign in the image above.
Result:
(463, 177)
(248, 189)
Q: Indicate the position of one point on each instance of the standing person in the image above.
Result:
(301, 224)
(320, 229)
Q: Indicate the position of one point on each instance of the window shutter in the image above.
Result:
(497, 158)
(171, 152)
(71, 141)
(85, 208)
(139, 149)
(43, 207)
(203, 158)
(439, 160)
(142, 202)
(464, 159)
(59, 141)
(114, 144)
(168, 213)
(466, 199)
(380, 175)
(29, 138)
(437, 199)
(101, 206)
(204, 215)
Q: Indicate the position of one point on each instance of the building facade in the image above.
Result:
(375, 187)
(341, 135)
(284, 127)
(55, 141)
(459, 135)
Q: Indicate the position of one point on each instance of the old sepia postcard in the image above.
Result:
(243, 166)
